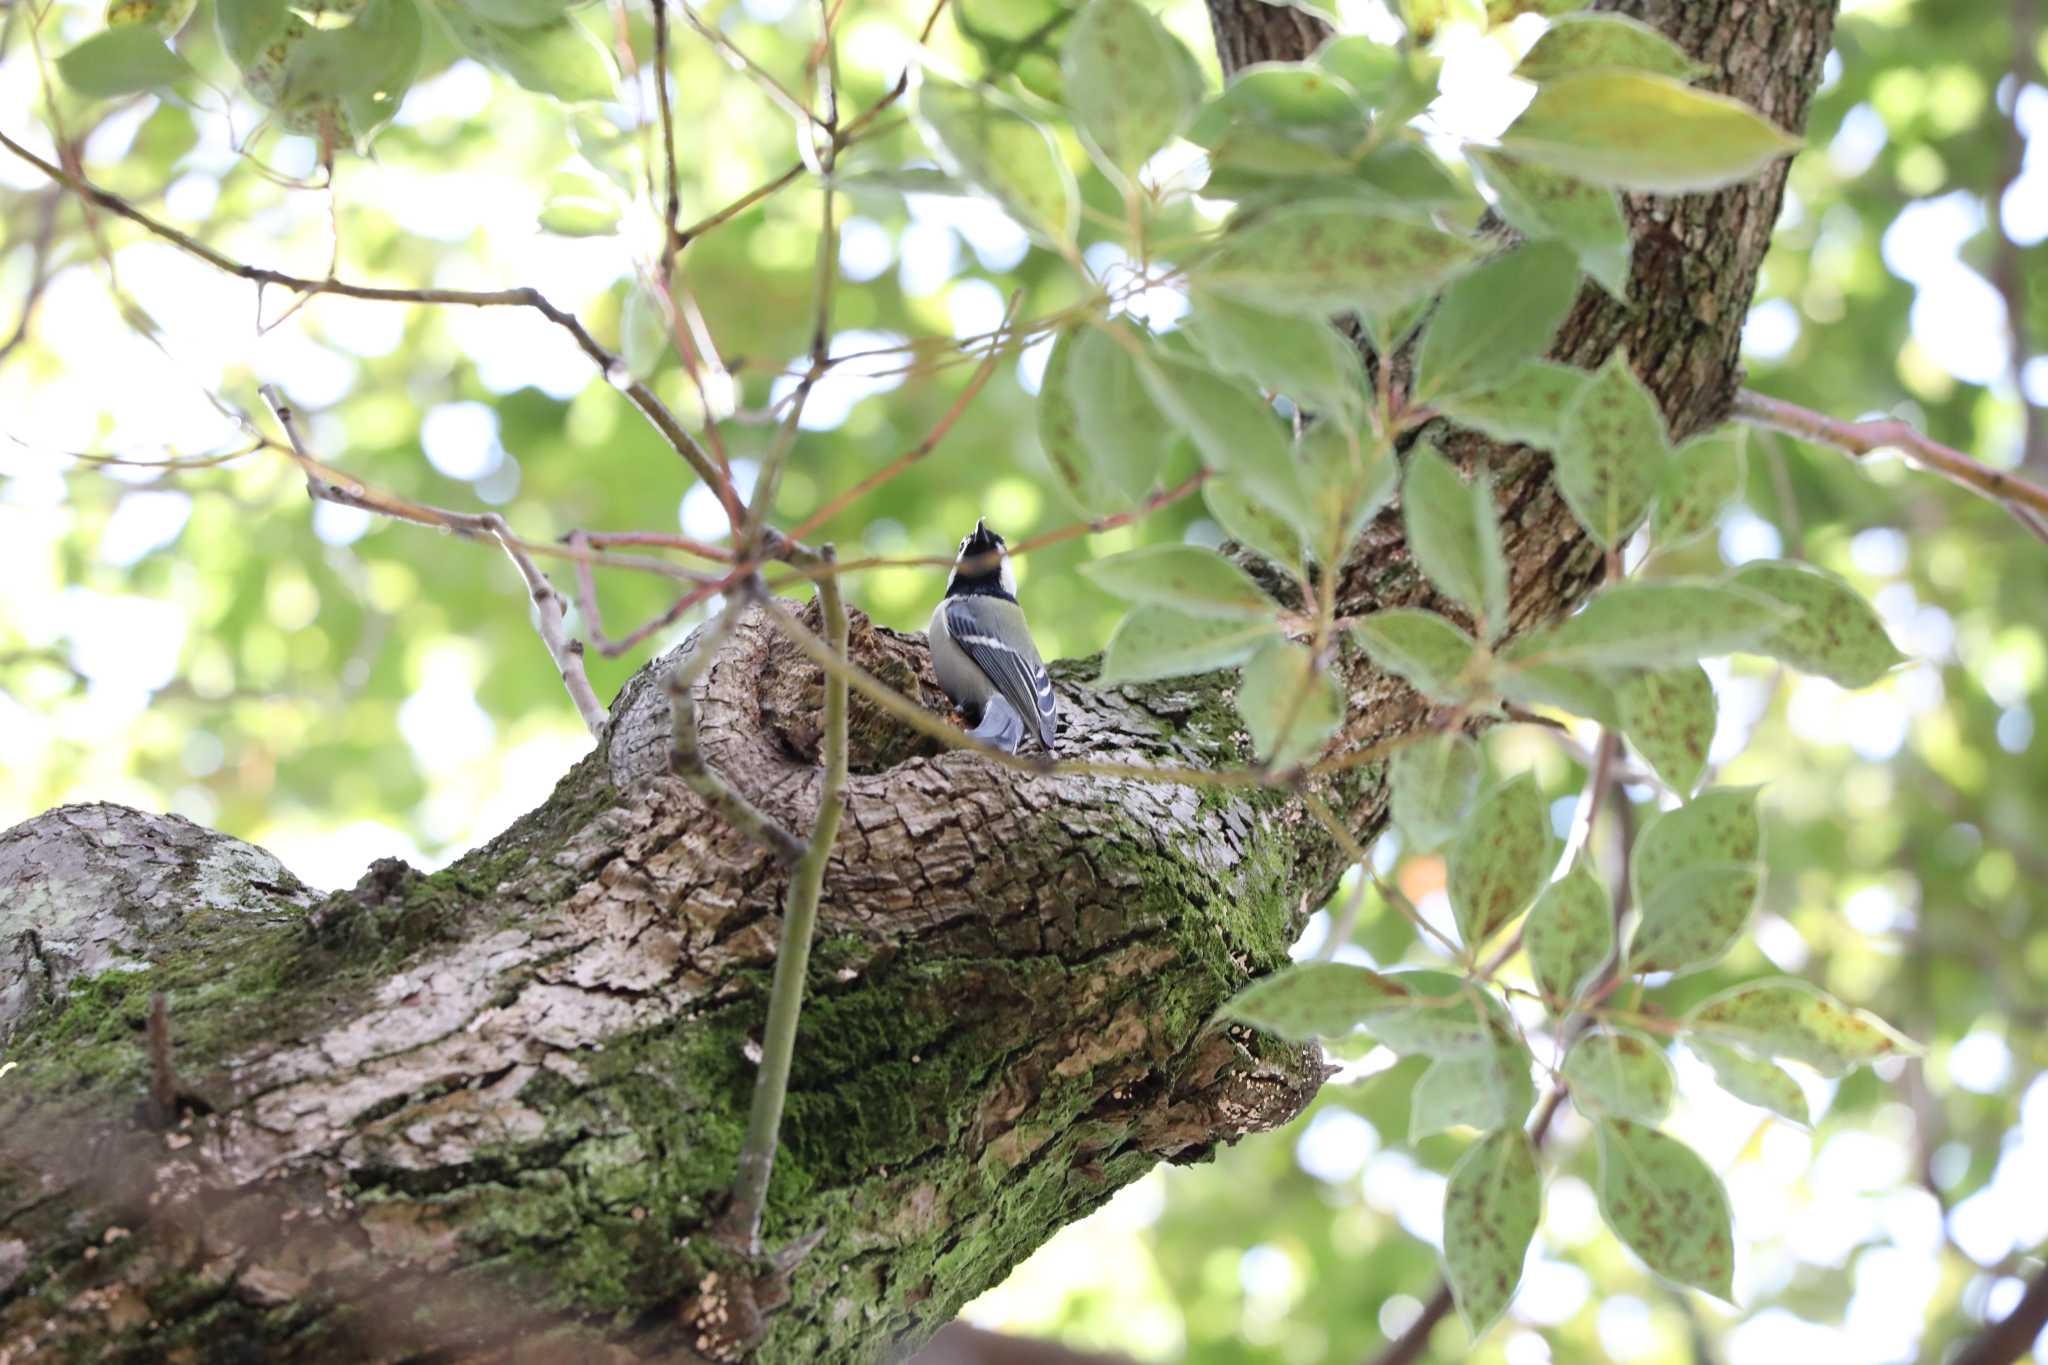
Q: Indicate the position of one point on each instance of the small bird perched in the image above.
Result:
(982, 650)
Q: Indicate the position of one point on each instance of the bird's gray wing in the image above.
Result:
(992, 633)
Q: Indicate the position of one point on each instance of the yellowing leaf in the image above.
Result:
(1637, 131)
(1579, 41)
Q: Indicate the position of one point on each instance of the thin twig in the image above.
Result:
(923, 448)
(642, 397)
(566, 653)
(1857, 439)
(686, 757)
(673, 204)
(39, 270)
(742, 1221)
(2008, 269)
(547, 606)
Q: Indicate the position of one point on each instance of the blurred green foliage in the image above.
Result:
(200, 640)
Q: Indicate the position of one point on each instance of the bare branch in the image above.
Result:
(642, 397)
(2014, 1335)
(2028, 501)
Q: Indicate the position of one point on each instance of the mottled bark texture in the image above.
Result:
(488, 1114)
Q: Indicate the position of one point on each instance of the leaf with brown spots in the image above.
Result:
(1237, 432)
(1319, 259)
(1526, 407)
(1433, 782)
(1610, 452)
(1290, 706)
(1489, 322)
(1666, 1206)
(1432, 654)
(1753, 1080)
(1544, 204)
(1621, 1074)
(985, 140)
(1317, 1000)
(1130, 84)
(1787, 1017)
(1636, 131)
(1570, 935)
(1653, 624)
(1694, 917)
(1705, 475)
(1101, 432)
(1252, 524)
(1578, 42)
(1492, 1204)
(1832, 632)
(1719, 826)
(1486, 1090)
(1668, 714)
(1502, 860)
(1454, 534)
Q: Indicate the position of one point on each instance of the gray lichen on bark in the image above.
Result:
(492, 1109)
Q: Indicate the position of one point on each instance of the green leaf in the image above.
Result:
(339, 82)
(1832, 630)
(1131, 85)
(644, 333)
(1492, 320)
(1008, 155)
(562, 59)
(1620, 1074)
(1544, 204)
(1575, 691)
(245, 27)
(1303, 357)
(1693, 919)
(1347, 476)
(166, 17)
(1569, 935)
(1668, 714)
(1098, 426)
(1763, 1084)
(1454, 534)
(1657, 623)
(1237, 432)
(1188, 578)
(1319, 259)
(1252, 524)
(1317, 1000)
(1486, 1090)
(1704, 475)
(1422, 647)
(1442, 1016)
(1719, 826)
(1641, 132)
(579, 207)
(1396, 82)
(1287, 95)
(1579, 41)
(1786, 1017)
(1492, 1204)
(1290, 706)
(1434, 781)
(1158, 642)
(1501, 861)
(1666, 1206)
(1610, 453)
(121, 61)
(1527, 407)
(521, 13)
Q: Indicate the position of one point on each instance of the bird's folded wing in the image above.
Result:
(1002, 650)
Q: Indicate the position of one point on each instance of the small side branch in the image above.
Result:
(567, 653)
(686, 758)
(2027, 501)
(742, 1222)
(547, 605)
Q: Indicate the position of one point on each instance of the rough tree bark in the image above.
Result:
(488, 1113)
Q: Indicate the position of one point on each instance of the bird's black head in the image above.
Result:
(981, 566)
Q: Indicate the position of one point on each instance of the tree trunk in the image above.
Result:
(490, 1113)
